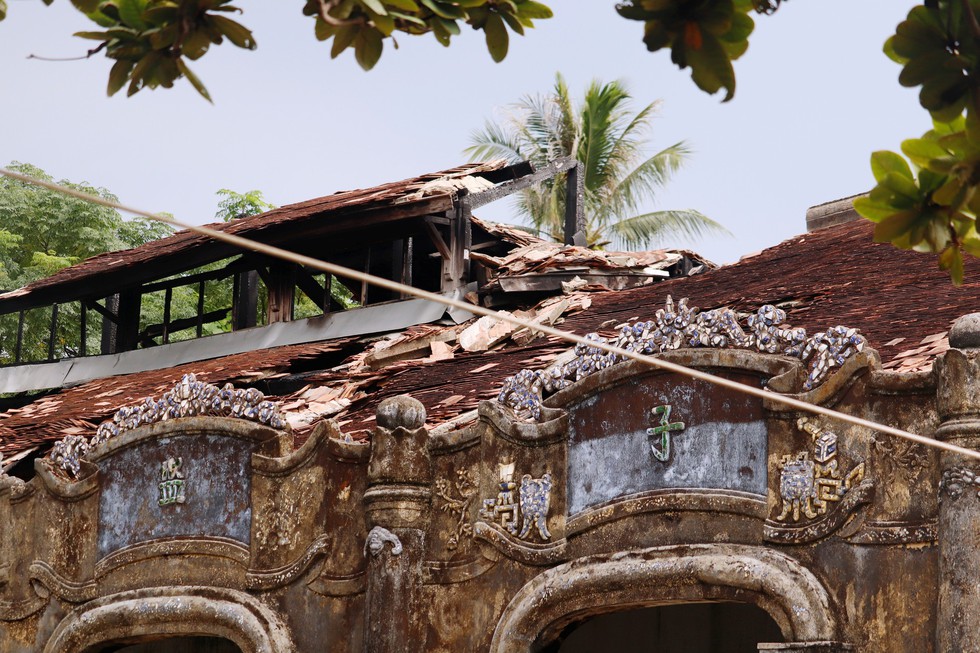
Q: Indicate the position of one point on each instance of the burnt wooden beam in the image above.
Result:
(18, 350)
(200, 250)
(168, 296)
(83, 329)
(508, 173)
(408, 254)
(110, 322)
(437, 240)
(101, 310)
(575, 207)
(281, 285)
(245, 300)
(364, 285)
(52, 335)
(312, 288)
(563, 164)
(237, 265)
(155, 330)
(127, 331)
(200, 309)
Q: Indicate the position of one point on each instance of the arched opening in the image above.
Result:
(687, 628)
(217, 620)
(545, 611)
(171, 645)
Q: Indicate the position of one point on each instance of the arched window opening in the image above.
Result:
(171, 645)
(686, 628)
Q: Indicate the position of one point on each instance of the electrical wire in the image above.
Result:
(394, 286)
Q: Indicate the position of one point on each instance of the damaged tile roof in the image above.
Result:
(416, 196)
(899, 300)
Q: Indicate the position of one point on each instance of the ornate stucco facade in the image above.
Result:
(632, 488)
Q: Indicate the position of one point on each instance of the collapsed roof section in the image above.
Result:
(899, 300)
(150, 307)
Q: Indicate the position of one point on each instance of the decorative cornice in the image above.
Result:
(672, 500)
(188, 398)
(437, 572)
(957, 480)
(779, 533)
(266, 579)
(896, 532)
(683, 326)
(540, 555)
(45, 575)
(212, 547)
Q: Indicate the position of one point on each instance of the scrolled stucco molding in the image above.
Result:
(173, 611)
(778, 584)
(375, 542)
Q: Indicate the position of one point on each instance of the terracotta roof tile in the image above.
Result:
(901, 302)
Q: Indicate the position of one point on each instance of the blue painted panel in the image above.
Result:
(724, 444)
(217, 491)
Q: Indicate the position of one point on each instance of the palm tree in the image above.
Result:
(608, 139)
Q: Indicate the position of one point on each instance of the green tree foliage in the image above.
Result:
(705, 35)
(151, 41)
(609, 138)
(235, 205)
(42, 232)
(933, 204)
(927, 200)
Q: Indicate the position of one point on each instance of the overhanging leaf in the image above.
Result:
(236, 32)
(118, 76)
(367, 47)
(497, 38)
(895, 226)
(883, 162)
(193, 79)
(711, 69)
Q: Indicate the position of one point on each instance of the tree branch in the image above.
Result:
(971, 18)
(91, 53)
(324, 14)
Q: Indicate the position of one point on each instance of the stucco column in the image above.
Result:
(397, 503)
(958, 398)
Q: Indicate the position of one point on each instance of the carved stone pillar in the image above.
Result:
(397, 503)
(958, 398)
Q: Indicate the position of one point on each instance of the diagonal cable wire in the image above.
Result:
(380, 282)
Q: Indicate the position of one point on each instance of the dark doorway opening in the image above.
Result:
(172, 645)
(687, 628)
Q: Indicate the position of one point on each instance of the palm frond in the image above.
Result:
(654, 228)
(599, 114)
(608, 138)
(493, 142)
(644, 181)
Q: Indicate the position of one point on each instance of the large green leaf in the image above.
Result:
(884, 162)
(711, 69)
(118, 76)
(193, 79)
(497, 38)
(130, 11)
(874, 211)
(895, 226)
(236, 32)
(532, 9)
(367, 47)
(344, 38)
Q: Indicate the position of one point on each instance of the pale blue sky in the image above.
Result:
(815, 96)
